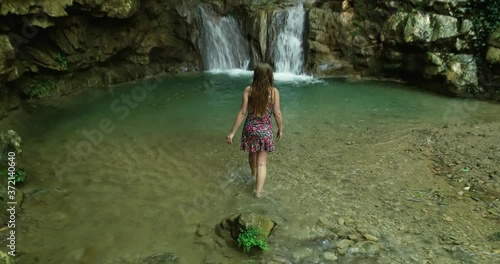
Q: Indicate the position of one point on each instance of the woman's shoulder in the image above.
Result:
(247, 90)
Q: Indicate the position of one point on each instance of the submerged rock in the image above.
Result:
(229, 228)
(161, 258)
(365, 248)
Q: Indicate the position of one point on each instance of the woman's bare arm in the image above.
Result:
(243, 111)
(277, 111)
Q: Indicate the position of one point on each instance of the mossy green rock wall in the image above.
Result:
(409, 39)
(108, 41)
(493, 54)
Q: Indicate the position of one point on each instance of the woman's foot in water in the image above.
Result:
(252, 179)
(258, 194)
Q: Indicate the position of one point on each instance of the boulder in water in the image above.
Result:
(229, 228)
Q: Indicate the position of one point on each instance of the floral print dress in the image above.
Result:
(257, 134)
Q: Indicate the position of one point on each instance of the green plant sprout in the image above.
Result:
(251, 237)
(63, 61)
(19, 176)
(42, 88)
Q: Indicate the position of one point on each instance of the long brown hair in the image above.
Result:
(262, 82)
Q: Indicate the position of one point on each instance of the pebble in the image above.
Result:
(343, 245)
(325, 222)
(349, 222)
(355, 237)
(448, 219)
(203, 230)
(330, 256)
(370, 237)
(341, 221)
(362, 230)
(366, 248)
(302, 253)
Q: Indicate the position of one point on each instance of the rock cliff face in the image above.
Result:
(414, 38)
(59, 47)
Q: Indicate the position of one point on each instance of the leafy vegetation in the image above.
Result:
(251, 237)
(485, 16)
(42, 87)
(19, 176)
(62, 60)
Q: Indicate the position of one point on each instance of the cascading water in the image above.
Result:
(289, 53)
(222, 43)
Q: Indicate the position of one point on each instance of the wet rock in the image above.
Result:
(229, 228)
(365, 248)
(112, 8)
(370, 237)
(275, 259)
(343, 245)
(324, 221)
(350, 222)
(41, 21)
(494, 39)
(310, 260)
(160, 258)
(257, 23)
(461, 74)
(355, 237)
(203, 230)
(419, 27)
(207, 242)
(460, 71)
(99, 8)
(493, 53)
(361, 229)
(330, 256)
(323, 42)
(302, 253)
(344, 231)
(7, 56)
(52, 8)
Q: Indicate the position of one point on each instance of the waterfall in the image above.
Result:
(223, 46)
(289, 53)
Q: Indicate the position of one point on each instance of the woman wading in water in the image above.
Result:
(260, 101)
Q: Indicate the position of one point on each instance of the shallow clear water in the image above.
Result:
(160, 165)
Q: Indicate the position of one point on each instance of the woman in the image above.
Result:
(260, 100)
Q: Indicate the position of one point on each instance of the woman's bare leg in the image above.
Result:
(261, 171)
(252, 161)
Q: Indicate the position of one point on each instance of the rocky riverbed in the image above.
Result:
(416, 194)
